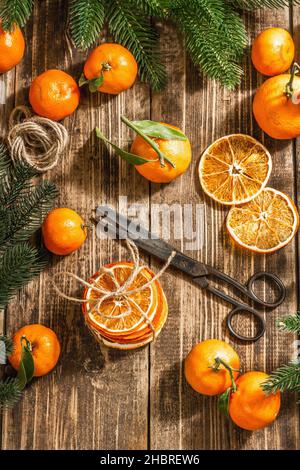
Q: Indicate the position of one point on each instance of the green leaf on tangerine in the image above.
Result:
(129, 157)
(26, 368)
(95, 83)
(223, 402)
(158, 130)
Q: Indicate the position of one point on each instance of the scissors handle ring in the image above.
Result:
(236, 311)
(275, 280)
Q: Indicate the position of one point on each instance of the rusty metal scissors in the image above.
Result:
(118, 226)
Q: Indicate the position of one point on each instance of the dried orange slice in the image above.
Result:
(148, 307)
(265, 224)
(139, 342)
(234, 169)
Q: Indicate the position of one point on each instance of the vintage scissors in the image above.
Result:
(118, 226)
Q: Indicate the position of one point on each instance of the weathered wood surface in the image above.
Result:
(100, 399)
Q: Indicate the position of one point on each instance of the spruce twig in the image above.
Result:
(9, 346)
(23, 207)
(156, 8)
(16, 180)
(10, 393)
(27, 213)
(214, 36)
(5, 161)
(290, 323)
(86, 21)
(285, 378)
(19, 264)
(14, 12)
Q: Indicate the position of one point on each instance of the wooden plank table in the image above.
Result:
(104, 399)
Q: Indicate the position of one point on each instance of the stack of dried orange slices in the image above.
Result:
(234, 171)
(132, 319)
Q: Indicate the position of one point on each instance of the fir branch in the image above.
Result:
(27, 213)
(15, 12)
(214, 37)
(234, 35)
(133, 31)
(211, 10)
(23, 206)
(17, 179)
(9, 345)
(157, 8)
(10, 393)
(18, 265)
(290, 323)
(4, 161)
(284, 378)
(86, 21)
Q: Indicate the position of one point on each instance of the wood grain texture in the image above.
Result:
(104, 399)
(181, 418)
(88, 402)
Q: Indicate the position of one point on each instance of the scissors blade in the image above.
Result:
(118, 225)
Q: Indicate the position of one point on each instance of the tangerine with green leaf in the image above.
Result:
(161, 152)
(110, 68)
(64, 231)
(43, 344)
(210, 366)
(250, 407)
(177, 153)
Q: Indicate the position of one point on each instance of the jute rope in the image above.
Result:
(121, 291)
(35, 140)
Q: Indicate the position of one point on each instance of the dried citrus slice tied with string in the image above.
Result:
(265, 224)
(234, 169)
(124, 305)
(112, 316)
(132, 318)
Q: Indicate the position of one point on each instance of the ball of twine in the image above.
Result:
(35, 140)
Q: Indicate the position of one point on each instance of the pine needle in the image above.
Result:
(215, 37)
(4, 161)
(157, 8)
(18, 265)
(9, 345)
(23, 207)
(86, 20)
(284, 378)
(15, 12)
(10, 393)
(134, 31)
(234, 35)
(17, 179)
(290, 323)
(27, 213)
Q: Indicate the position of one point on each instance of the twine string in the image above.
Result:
(122, 291)
(36, 140)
